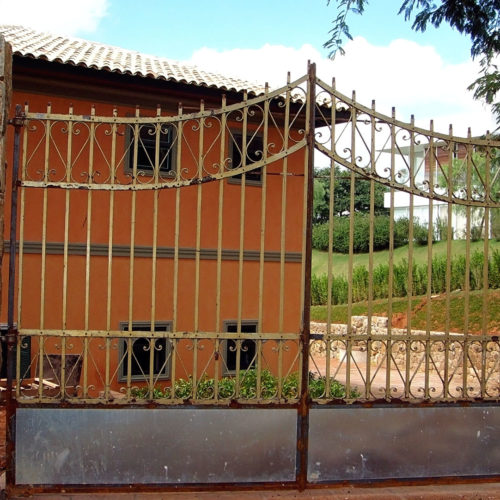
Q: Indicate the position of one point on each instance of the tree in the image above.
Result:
(478, 19)
(342, 194)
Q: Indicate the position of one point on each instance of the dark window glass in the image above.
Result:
(247, 355)
(254, 152)
(141, 353)
(146, 149)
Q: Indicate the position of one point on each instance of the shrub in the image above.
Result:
(317, 388)
(361, 236)
(381, 281)
(494, 270)
(438, 283)
(381, 232)
(360, 283)
(248, 387)
(401, 232)
(476, 233)
(400, 279)
(319, 289)
(420, 233)
(340, 289)
(476, 270)
(320, 236)
(341, 227)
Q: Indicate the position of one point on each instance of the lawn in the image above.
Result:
(419, 311)
(340, 261)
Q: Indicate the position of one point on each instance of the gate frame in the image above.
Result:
(305, 403)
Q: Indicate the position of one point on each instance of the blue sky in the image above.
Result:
(422, 73)
(177, 29)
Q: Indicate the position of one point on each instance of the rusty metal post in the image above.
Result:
(5, 96)
(18, 123)
(303, 410)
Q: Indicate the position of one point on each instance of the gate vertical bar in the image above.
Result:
(303, 412)
(11, 404)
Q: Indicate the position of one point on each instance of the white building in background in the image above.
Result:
(421, 211)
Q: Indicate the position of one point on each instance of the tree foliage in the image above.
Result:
(342, 194)
(478, 19)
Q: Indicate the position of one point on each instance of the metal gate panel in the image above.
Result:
(403, 443)
(162, 446)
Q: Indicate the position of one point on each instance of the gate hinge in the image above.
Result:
(18, 120)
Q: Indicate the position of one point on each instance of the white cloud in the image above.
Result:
(413, 78)
(68, 17)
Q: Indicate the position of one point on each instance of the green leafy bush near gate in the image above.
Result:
(247, 381)
(361, 233)
(401, 279)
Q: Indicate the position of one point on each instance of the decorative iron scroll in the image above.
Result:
(155, 152)
(128, 256)
(410, 159)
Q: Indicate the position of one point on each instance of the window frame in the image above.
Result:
(244, 322)
(166, 326)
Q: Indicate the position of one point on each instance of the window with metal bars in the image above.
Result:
(141, 365)
(247, 349)
(148, 136)
(254, 148)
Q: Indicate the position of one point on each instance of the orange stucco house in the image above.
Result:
(108, 258)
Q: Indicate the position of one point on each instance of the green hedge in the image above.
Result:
(400, 275)
(361, 229)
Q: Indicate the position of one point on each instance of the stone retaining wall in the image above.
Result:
(421, 354)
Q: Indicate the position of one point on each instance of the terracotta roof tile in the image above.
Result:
(75, 51)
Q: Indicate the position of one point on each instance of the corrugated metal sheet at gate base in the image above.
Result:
(75, 51)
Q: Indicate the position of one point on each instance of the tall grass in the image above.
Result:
(400, 274)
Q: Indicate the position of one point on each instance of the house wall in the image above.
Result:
(43, 306)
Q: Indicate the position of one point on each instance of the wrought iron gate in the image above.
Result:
(162, 294)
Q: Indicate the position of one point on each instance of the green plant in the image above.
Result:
(318, 389)
(248, 382)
